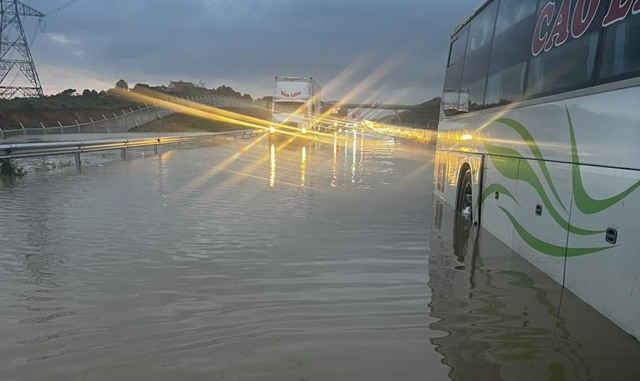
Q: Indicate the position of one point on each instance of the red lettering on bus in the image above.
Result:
(581, 22)
(618, 10)
(539, 39)
(290, 95)
(560, 31)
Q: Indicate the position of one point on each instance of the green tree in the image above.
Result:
(66, 93)
(122, 84)
(141, 87)
(89, 93)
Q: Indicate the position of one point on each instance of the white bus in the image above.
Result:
(539, 141)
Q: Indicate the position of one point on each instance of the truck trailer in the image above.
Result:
(296, 105)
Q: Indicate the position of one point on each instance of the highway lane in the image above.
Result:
(276, 260)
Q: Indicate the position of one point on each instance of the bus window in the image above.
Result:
(564, 50)
(621, 54)
(457, 49)
(565, 67)
(510, 53)
(477, 59)
(482, 28)
(513, 11)
(506, 86)
(452, 102)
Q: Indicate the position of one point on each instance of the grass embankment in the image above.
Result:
(188, 123)
(182, 123)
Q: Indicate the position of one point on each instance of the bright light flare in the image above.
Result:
(213, 113)
(193, 108)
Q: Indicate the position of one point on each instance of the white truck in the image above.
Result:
(296, 105)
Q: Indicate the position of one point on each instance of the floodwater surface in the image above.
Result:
(258, 261)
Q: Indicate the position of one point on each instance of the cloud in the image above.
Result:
(245, 43)
(61, 39)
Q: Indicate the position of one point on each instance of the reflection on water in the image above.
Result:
(272, 172)
(348, 160)
(334, 163)
(275, 151)
(303, 166)
(242, 262)
(505, 320)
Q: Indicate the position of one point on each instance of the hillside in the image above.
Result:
(64, 108)
(188, 123)
(425, 114)
(68, 106)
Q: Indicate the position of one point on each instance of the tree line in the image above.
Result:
(70, 99)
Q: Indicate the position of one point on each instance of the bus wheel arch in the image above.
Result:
(464, 195)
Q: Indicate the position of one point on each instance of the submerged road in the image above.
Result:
(257, 261)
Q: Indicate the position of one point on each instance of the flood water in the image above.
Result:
(259, 261)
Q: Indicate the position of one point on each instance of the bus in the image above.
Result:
(539, 141)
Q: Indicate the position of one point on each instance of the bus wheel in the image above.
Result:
(464, 236)
(464, 204)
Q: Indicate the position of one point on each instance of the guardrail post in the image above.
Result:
(1, 133)
(123, 153)
(24, 131)
(78, 124)
(61, 128)
(78, 160)
(93, 125)
(106, 124)
(43, 128)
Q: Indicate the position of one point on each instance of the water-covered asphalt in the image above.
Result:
(257, 261)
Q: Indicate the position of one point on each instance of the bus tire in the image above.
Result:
(464, 202)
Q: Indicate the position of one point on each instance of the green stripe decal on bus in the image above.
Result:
(548, 248)
(535, 150)
(583, 201)
(504, 161)
(493, 188)
(526, 173)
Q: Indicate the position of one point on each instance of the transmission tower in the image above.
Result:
(14, 51)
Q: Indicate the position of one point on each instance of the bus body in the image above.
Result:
(296, 105)
(539, 141)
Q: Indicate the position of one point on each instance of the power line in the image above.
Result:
(63, 6)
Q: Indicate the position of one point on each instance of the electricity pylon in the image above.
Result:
(14, 50)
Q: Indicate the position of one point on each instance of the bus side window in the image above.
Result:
(621, 53)
(565, 67)
(477, 58)
(510, 52)
(564, 62)
(453, 99)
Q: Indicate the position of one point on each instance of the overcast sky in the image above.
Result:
(386, 51)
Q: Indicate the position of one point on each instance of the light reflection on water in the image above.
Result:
(505, 320)
(296, 261)
(187, 265)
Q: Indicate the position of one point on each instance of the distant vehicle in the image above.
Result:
(538, 141)
(296, 105)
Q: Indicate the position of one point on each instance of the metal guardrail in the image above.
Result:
(77, 147)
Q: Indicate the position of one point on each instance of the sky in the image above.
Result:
(383, 51)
